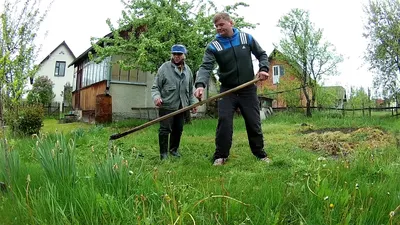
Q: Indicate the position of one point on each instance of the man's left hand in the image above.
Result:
(262, 75)
(194, 110)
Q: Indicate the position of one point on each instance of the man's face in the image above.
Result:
(224, 27)
(177, 57)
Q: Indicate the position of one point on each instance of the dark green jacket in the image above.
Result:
(173, 86)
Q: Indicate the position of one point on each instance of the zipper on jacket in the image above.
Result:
(236, 61)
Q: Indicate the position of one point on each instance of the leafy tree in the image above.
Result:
(328, 96)
(42, 91)
(67, 94)
(290, 92)
(148, 29)
(359, 98)
(20, 23)
(304, 49)
(382, 30)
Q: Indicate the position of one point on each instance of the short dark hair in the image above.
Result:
(222, 15)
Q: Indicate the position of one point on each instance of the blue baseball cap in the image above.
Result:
(178, 49)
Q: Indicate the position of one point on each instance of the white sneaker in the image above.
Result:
(219, 161)
(266, 160)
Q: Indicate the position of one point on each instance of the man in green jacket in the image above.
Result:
(172, 90)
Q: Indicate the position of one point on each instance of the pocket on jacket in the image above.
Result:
(170, 88)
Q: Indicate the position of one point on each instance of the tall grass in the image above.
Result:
(57, 157)
(68, 178)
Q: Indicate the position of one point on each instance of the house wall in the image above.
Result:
(47, 68)
(210, 91)
(87, 95)
(268, 86)
(126, 96)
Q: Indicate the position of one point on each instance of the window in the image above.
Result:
(95, 72)
(130, 76)
(60, 69)
(278, 71)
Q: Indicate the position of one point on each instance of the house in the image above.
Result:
(104, 92)
(284, 81)
(54, 66)
(340, 95)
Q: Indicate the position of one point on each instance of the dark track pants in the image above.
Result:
(247, 101)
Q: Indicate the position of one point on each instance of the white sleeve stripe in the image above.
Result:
(243, 38)
(217, 45)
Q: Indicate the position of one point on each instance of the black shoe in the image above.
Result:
(163, 156)
(175, 154)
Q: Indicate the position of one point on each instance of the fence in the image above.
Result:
(53, 109)
(365, 111)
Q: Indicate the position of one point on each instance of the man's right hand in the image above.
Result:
(158, 102)
(198, 93)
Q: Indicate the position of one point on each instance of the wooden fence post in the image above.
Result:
(363, 109)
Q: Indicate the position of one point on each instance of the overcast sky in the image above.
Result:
(75, 21)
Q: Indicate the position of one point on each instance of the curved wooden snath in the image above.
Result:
(120, 135)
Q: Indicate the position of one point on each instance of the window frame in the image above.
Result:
(58, 67)
(281, 71)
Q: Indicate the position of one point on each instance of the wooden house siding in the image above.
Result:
(87, 95)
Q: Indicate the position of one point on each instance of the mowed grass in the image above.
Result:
(74, 175)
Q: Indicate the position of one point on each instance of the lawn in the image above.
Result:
(325, 170)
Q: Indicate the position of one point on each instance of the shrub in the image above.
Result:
(42, 91)
(27, 121)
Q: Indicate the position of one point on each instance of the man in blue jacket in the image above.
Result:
(172, 90)
(231, 50)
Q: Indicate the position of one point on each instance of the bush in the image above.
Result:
(42, 91)
(27, 121)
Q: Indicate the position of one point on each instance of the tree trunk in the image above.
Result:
(313, 88)
(308, 103)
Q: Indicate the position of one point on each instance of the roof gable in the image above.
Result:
(62, 44)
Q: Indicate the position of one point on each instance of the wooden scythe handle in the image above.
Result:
(119, 135)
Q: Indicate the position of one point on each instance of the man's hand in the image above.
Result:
(158, 102)
(194, 110)
(199, 93)
(262, 75)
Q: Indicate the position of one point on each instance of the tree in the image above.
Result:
(148, 29)
(290, 92)
(20, 23)
(382, 30)
(329, 97)
(359, 98)
(42, 91)
(67, 94)
(304, 49)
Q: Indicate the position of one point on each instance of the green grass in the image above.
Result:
(68, 177)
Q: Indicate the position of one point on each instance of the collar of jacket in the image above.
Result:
(235, 34)
(179, 67)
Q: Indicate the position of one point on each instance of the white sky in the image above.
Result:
(75, 21)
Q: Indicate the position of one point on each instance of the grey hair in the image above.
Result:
(184, 56)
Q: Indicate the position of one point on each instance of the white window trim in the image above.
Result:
(275, 77)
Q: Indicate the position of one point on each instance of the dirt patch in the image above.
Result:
(344, 141)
